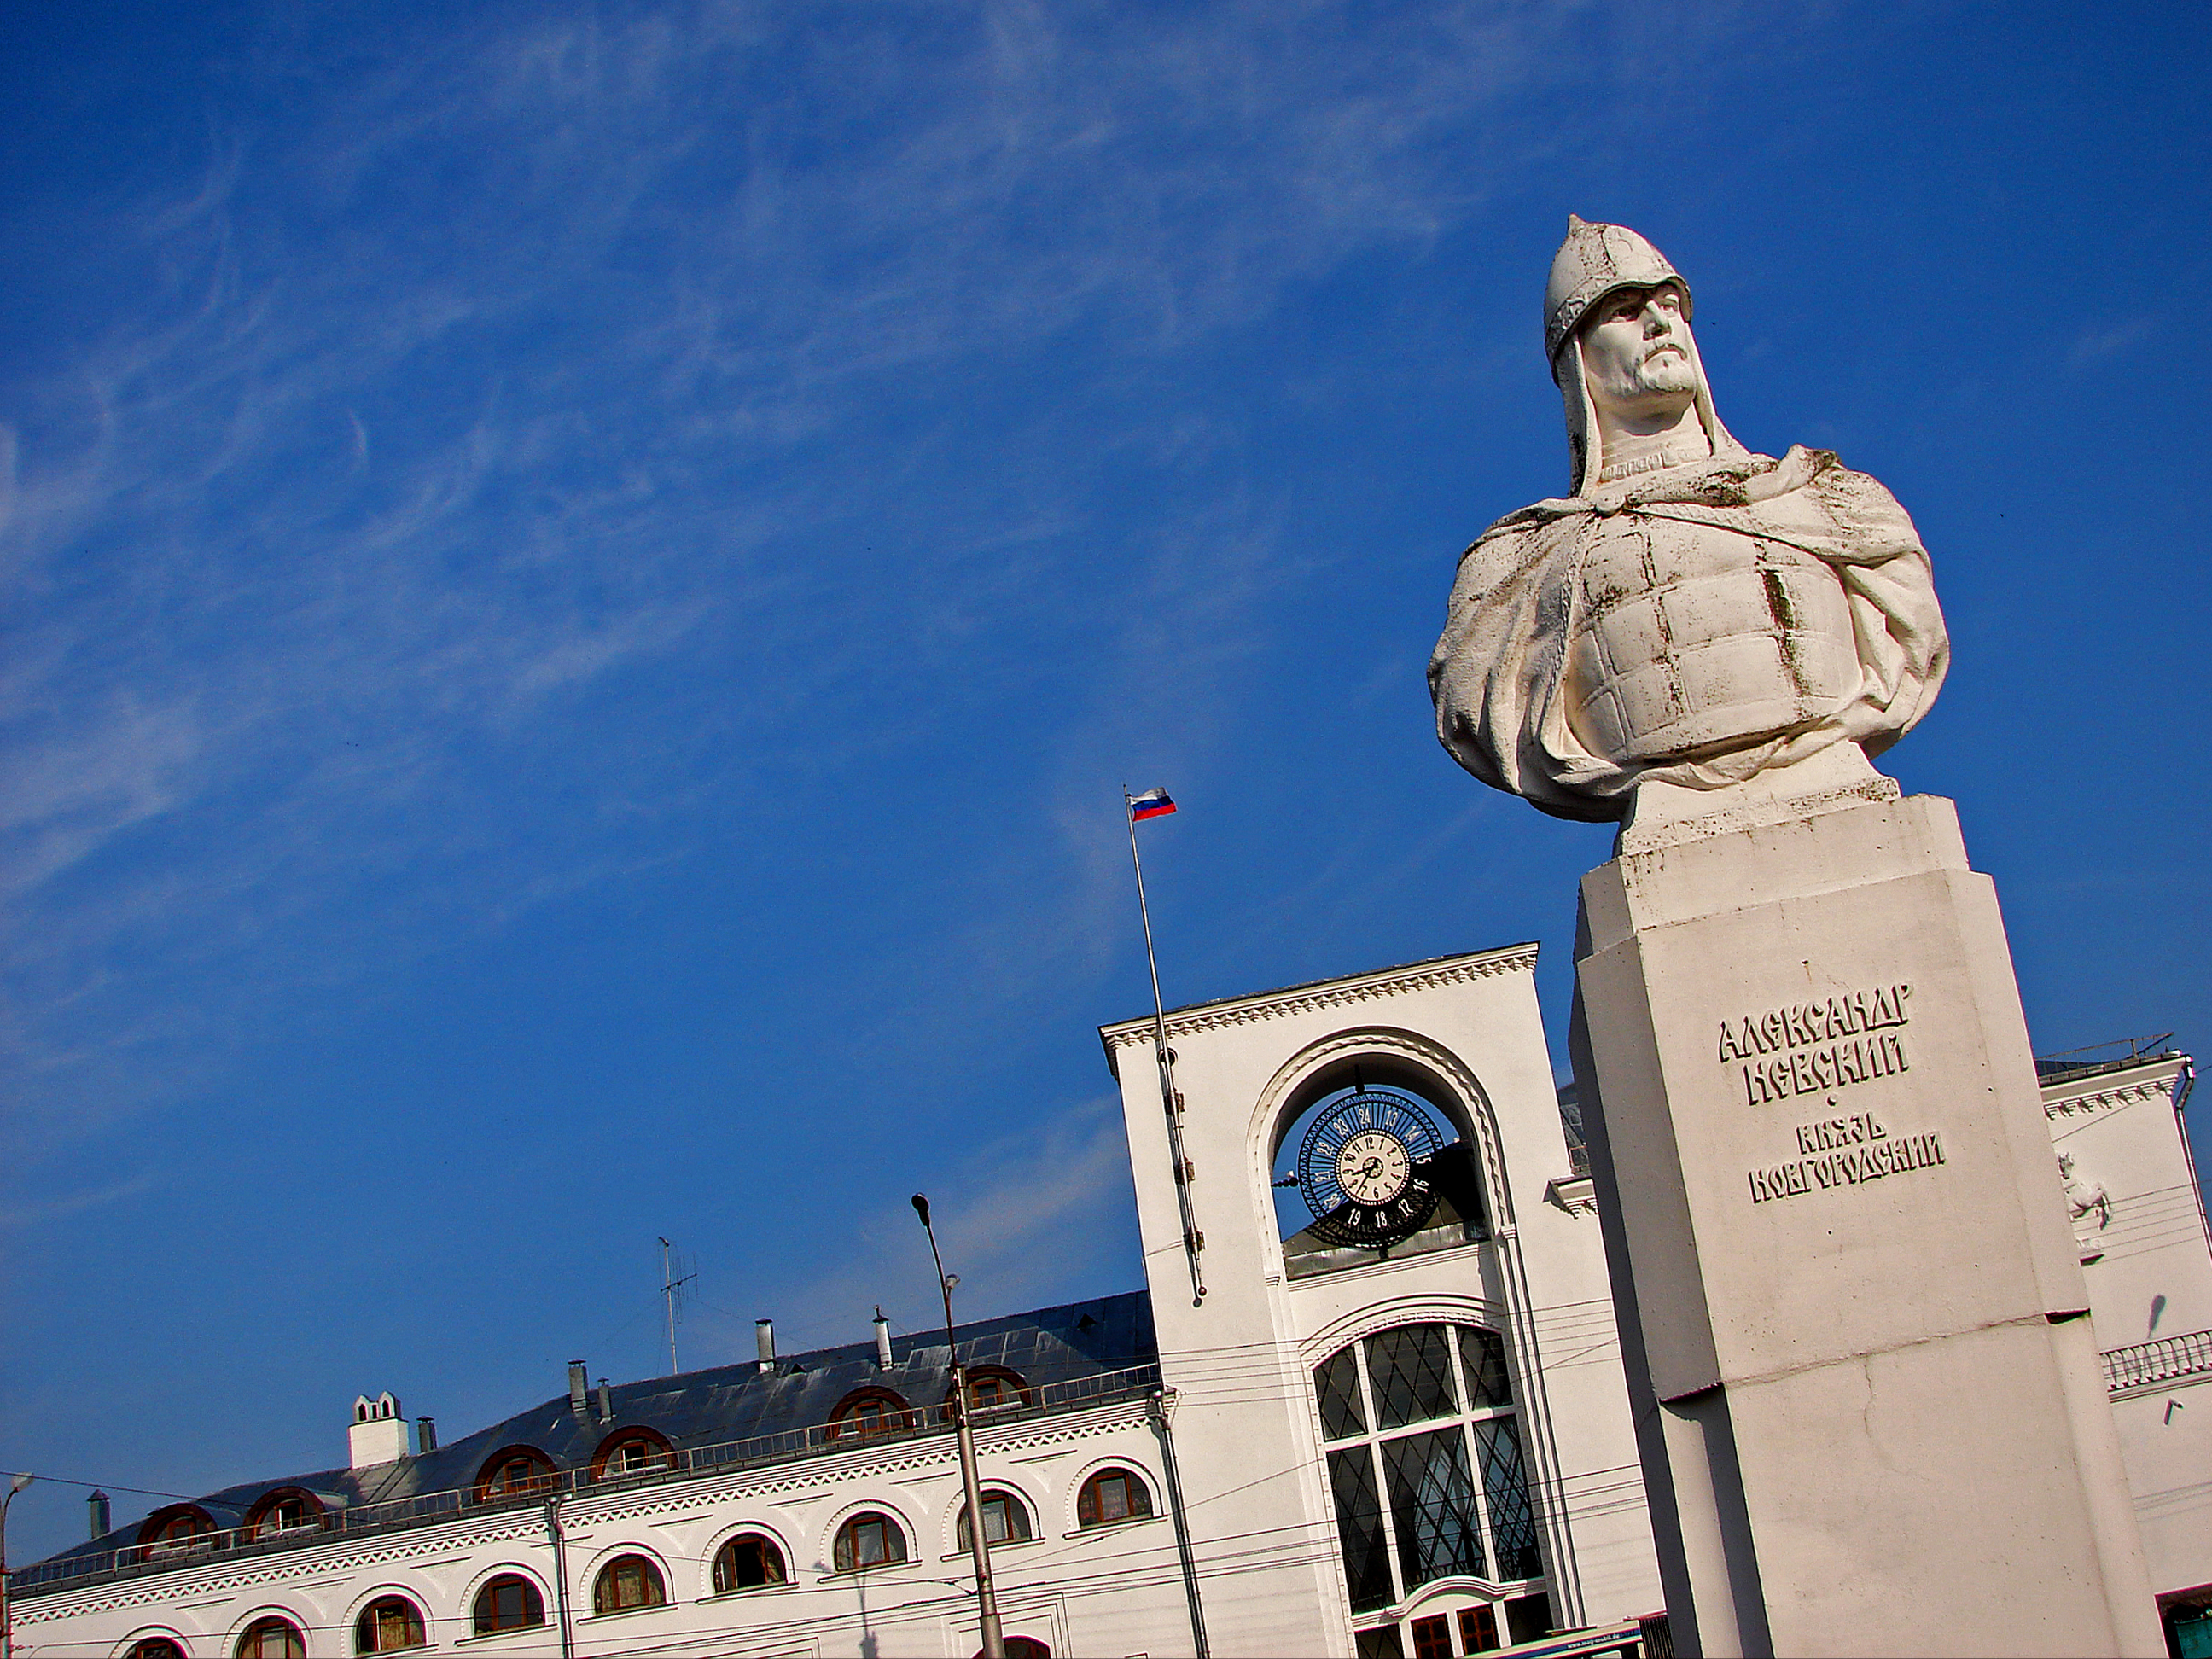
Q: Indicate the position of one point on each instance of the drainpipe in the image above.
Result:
(560, 1576)
(1156, 1409)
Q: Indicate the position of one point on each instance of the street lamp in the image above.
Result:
(15, 1484)
(995, 1643)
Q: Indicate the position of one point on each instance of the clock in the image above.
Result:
(1362, 1169)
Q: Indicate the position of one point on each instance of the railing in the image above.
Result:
(426, 1508)
(2157, 1362)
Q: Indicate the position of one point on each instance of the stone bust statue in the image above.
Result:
(1694, 627)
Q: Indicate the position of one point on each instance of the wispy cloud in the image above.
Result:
(525, 440)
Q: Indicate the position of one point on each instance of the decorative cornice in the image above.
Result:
(2109, 1100)
(351, 1556)
(1576, 1195)
(1328, 994)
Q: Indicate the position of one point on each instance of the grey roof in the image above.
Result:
(729, 1403)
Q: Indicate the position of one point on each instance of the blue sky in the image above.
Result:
(582, 582)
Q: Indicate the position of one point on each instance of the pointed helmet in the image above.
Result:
(1594, 261)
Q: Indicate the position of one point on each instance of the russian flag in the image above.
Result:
(1152, 804)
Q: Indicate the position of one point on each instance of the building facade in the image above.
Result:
(1369, 1402)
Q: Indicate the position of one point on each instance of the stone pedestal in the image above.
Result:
(1869, 1407)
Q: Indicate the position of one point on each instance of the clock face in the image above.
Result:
(1360, 1169)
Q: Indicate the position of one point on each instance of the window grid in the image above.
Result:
(1410, 1517)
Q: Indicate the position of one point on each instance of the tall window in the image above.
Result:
(628, 1581)
(387, 1625)
(746, 1562)
(1112, 1495)
(272, 1638)
(1424, 1461)
(866, 1540)
(510, 1601)
(1005, 1520)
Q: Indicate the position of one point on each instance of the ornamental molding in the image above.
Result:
(292, 1570)
(2107, 1100)
(1245, 1010)
(1576, 1195)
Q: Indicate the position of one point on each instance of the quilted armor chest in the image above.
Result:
(1692, 637)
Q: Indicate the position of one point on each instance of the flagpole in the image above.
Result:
(1170, 1104)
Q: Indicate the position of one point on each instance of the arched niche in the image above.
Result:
(1398, 1073)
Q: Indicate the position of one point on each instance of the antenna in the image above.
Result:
(672, 1290)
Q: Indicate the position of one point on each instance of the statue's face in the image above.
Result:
(1636, 352)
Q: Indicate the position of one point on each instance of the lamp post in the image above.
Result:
(15, 1484)
(987, 1599)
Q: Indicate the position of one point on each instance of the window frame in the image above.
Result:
(845, 1557)
(484, 1492)
(1014, 1502)
(1011, 1381)
(158, 1534)
(271, 1502)
(156, 1647)
(533, 1592)
(728, 1547)
(1473, 1421)
(648, 1572)
(257, 1629)
(845, 1421)
(620, 1442)
(385, 1599)
(1083, 1496)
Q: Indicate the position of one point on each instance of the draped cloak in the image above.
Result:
(1498, 675)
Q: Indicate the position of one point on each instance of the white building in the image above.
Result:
(1393, 1423)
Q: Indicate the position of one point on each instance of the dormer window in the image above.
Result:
(286, 1510)
(867, 1412)
(515, 1472)
(631, 1451)
(179, 1527)
(991, 1389)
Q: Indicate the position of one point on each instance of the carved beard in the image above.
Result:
(1664, 373)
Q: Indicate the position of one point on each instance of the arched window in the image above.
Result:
(179, 1526)
(387, 1625)
(1112, 1495)
(155, 1647)
(272, 1638)
(285, 1510)
(870, 1411)
(1024, 1647)
(1424, 1461)
(869, 1539)
(991, 1389)
(514, 1472)
(510, 1601)
(746, 1562)
(1006, 1519)
(628, 1581)
(632, 1452)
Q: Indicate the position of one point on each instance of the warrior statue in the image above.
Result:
(1694, 626)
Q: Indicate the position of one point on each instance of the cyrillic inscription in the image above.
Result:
(1817, 1048)
(1880, 1155)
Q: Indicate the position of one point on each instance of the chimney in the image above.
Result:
(578, 1375)
(379, 1433)
(882, 1342)
(426, 1435)
(97, 1504)
(764, 1340)
(606, 1401)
